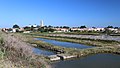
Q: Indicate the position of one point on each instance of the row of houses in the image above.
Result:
(85, 29)
(88, 29)
(12, 29)
(60, 29)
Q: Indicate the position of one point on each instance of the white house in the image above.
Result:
(88, 29)
(14, 30)
(61, 30)
(34, 25)
(26, 31)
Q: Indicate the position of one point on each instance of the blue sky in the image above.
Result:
(98, 13)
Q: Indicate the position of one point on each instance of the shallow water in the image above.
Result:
(65, 44)
(92, 61)
(40, 51)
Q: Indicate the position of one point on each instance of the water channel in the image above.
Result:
(40, 51)
(65, 44)
(92, 61)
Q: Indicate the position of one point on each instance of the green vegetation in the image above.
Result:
(49, 46)
(16, 26)
(103, 46)
(78, 52)
(83, 33)
(16, 53)
(95, 50)
(87, 41)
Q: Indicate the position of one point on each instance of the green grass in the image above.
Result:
(78, 52)
(103, 46)
(85, 41)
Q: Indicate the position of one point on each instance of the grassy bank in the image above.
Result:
(16, 53)
(78, 52)
(47, 46)
(91, 42)
(71, 33)
(103, 46)
(95, 50)
(16, 50)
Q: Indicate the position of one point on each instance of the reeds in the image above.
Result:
(20, 53)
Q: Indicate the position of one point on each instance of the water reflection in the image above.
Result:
(64, 44)
(39, 51)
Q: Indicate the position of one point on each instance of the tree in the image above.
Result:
(83, 26)
(61, 27)
(107, 31)
(116, 27)
(41, 29)
(50, 26)
(27, 28)
(16, 26)
(66, 27)
(9, 29)
(32, 28)
(110, 27)
(45, 26)
(51, 30)
(57, 26)
(46, 30)
(94, 27)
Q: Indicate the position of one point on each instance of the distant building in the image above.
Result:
(21, 29)
(61, 30)
(95, 29)
(29, 25)
(14, 30)
(34, 25)
(5, 29)
(112, 29)
(41, 23)
(79, 29)
(87, 29)
(118, 31)
(26, 31)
